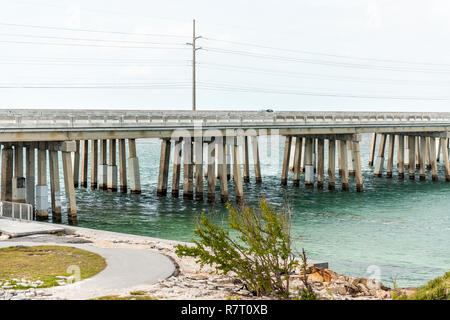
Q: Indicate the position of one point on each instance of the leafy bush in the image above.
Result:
(260, 255)
(436, 289)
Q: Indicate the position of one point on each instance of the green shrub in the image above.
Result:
(260, 255)
(436, 289)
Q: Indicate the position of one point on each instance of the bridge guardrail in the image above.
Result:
(20, 211)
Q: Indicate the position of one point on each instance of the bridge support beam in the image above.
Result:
(188, 170)
(7, 173)
(112, 167)
(176, 170)
(406, 153)
(339, 158)
(42, 188)
(428, 153)
(221, 153)
(417, 148)
(18, 183)
(379, 164)
(320, 162)
(400, 157)
(211, 170)
(164, 161)
(344, 158)
(373, 144)
(297, 160)
(76, 165)
(94, 164)
(286, 158)
(103, 166)
(444, 142)
(69, 186)
(309, 168)
(55, 190)
(30, 175)
(84, 163)
(246, 160)
(412, 157)
(198, 158)
(390, 162)
(133, 167)
(358, 168)
(302, 162)
(237, 174)
(433, 160)
(256, 161)
(422, 157)
(229, 160)
(351, 159)
(331, 164)
(123, 166)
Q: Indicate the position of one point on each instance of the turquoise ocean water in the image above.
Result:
(396, 229)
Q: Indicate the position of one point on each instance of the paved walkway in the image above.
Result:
(20, 228)
(126, 270)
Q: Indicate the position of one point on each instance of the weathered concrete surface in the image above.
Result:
(16, 228)
(126, 268)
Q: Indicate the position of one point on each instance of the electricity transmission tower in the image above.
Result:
(194, 50)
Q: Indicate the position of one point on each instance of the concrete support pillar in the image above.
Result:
(133, 167)
(400, 157)
(417, 148)
(229, 160)
(164, 162)
(438, 156)
(412, 156)
(55, 190)
(237, 174)
(94, 164)
(256, 162)
(339, 154)
(84, 163)
(302, 162)
(7, 173)
(358, 167)
(291, 159)
(331, 164)
(444, 142)
(379, 163)
(351, 159)
(406, 154)
(42, 188)
(297, 160)
(18, 183)
(76, 165)
(309, 168)
(188, 170)
(123, 166)
(428, 153)
(30, 176)
(373, 144)
(320, 162)
(422, 157)
(103, 166)
(112, 167)
(211, 178)
(221, 145)
(69, 186)
(286, 157)
(390, 162)
(198, 157)
(433, 160)
(176, 171)
(246, 160)
(344, 157)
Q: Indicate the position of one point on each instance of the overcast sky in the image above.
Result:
(362, 55)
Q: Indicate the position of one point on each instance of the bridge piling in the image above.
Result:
(69, 186)
(331, 164)
(344, 157)
(444, 142)
(427, 153)
(412, 157)
(55, 191)
(286, 160)
(256, 161)
(103, 166)
(422, 157)
(42, 188)
(320, 162)
(84, 163)
(246, 160)
(309, 169)
(433, 160)
(7, 173)
(123, 166)
(297, 157)
(221, 156)
(351, 159)
(30, 175)
(211, 170)
(390, 161)
(400, 157)
(358, 169)
(176, 170)
(164, 161)
(18, 183)
(237, 174)
(94, 164)
(112, 167)
(373, 144)
(188, 170)
(133, 167)
(406, 153)
(198, 157)
(76, 165)
(379, 163)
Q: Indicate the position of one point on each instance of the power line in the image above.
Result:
(91, 30)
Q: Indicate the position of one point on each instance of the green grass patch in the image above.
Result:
(436, 289)
(45, 263)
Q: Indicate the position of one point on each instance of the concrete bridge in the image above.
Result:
(81, 136)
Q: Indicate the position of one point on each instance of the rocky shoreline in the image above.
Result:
(191, 282)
